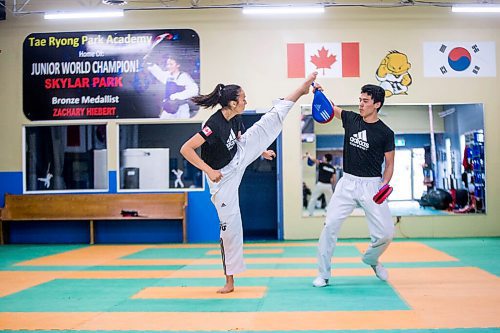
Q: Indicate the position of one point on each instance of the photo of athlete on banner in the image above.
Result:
(179, 88)
(111, 74)
(173, 66)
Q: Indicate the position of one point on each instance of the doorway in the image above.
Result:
(408, 174)
(259, 194)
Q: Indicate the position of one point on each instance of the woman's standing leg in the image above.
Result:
(226, 202)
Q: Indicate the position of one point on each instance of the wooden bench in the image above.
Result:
(93, 207)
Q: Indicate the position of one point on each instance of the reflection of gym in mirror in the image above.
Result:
(439, 164)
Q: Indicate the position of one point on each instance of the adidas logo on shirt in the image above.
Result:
(359, 140)
(231, 140)
(329, 169)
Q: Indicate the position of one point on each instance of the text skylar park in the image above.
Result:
(84, 82)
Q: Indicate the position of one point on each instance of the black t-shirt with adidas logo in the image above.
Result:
(365, 145)
(220, 137)
(325, 172)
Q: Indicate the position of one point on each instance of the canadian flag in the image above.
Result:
(328, 59)
(207, 131)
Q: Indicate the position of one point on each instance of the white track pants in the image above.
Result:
(319, 189)
(349, 192)
(225, 193)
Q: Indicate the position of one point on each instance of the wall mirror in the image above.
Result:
(65, 158)
(150, 158)
(439, 163)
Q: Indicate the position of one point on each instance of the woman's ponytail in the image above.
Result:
(220, 95)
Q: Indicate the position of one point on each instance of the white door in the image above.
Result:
(402, 177)
(418, 157)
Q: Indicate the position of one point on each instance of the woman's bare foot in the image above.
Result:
(309, 80)
(228, 287)
(303, 89)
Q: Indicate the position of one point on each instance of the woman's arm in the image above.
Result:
(188, 150)
(309, 157)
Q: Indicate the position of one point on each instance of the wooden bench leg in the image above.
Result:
(184, 229)
(91, 231)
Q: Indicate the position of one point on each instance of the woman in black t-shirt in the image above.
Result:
(226, 151)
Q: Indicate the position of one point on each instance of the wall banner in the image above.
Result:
(111, 74)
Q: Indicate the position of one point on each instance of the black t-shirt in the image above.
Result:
(365, 145)
(325, 172)
(220, 137)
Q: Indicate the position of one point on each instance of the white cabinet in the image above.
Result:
(101, 169)
(150, 165)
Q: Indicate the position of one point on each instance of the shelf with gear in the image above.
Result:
(474, 154)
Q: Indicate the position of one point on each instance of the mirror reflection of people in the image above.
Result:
(178, 178)
(325, 182)
(368, 143)
(306, 192)
(179, 88)
(226, 152)
(428, 176)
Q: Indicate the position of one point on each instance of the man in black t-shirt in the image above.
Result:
(368, 143)
(324, 185)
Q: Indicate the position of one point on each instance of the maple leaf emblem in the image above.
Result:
(323, 60)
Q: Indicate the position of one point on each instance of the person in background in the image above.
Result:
(325, 182)
(306, 192)
(428, 176)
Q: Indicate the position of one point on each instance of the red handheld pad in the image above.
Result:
(382, 194)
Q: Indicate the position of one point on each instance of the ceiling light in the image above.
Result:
(114, 2)
(484, 8)
(271, 10)
(82, 15)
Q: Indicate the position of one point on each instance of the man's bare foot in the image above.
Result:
(226, 289)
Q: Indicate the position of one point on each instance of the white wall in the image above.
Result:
(252, 52)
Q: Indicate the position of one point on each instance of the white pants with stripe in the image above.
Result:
(319, 189)
(350, 192)
(225, 193)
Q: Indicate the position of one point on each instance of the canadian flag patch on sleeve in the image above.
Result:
(207, 131)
